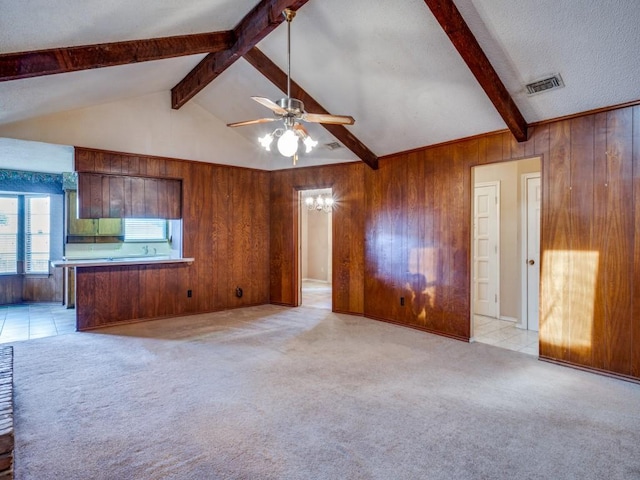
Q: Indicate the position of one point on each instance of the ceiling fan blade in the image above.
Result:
(252, 122)
(326, 118)
(270, 105)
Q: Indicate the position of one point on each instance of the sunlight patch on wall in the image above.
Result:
(569, 291)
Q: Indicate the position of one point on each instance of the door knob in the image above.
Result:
(531, 262)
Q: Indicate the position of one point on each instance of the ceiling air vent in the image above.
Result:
(545, 84)
(333, 145)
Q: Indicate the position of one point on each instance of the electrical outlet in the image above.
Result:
(402, 301)
(189, 293)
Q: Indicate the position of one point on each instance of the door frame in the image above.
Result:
(524, 226)
(297, 239)
(496, 184)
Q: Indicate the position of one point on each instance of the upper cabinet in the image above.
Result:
(90, 230)
(124, 196)
(76, 226)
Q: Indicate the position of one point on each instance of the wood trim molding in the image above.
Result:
(500, 132)
(594, 111)
(416, 327)
(256, 25)
(465, 42)
(16, 66)
(279, 78)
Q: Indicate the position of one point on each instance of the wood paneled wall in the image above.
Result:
(125, 293)
(44, 288)
(418, 241)
(10, 289)
(226, 229)
(31, 288)
(403, 231)
(417, 246)
(347, 182)
(590, 302)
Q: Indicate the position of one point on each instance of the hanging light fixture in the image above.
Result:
(291, 111)
(293, 131)
(288, 140)
(321, 203)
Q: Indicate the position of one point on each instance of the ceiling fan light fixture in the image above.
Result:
(291, 111)
(288, 143)
(309, 143)
(265, 141)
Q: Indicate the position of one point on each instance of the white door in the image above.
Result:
(486, 236)
(534, 194)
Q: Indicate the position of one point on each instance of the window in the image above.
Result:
(145, 230)
(25, 233)
(37, 234)
(8, 234)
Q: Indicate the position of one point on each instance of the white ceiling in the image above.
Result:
(387, 63)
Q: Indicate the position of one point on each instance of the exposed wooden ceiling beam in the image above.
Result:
(256, 25)
(14, 66)
(279, 78)
(465, 42)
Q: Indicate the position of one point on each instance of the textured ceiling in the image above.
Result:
(387, 63)
(593, 44)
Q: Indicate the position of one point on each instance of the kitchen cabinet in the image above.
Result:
(125, 196)
(75, 225)
(110, 226)
(83, 230)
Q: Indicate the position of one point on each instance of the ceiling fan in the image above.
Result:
(291, 112)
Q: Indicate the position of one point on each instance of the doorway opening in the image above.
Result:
(315, 240)
(505, 253)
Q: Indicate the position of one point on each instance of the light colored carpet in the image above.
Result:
(276, 393)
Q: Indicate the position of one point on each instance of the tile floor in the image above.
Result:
(316, 294)
(504, 334)
(35, 320)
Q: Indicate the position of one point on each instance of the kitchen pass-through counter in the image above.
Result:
(114, 261)
(148, 287)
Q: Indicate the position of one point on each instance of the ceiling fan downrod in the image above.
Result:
(289, 15)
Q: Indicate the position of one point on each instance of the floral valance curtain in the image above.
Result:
(30, 182)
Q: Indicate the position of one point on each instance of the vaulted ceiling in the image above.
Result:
(411, 72)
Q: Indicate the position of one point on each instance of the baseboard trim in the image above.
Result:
(597, 371)
(419, 327)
